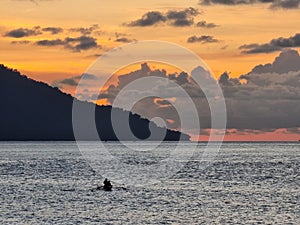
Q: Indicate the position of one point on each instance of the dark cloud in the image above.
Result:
(182, 14)
(274, 45)
(23, 32)
(182, 18)
(163, 108)
(85, 30)
(261, 101)
(274, 4)
(286, 4)
(124, 40)
(53, 30)
(178, 18)
(232, 2)
(69, 82)
(287, 61)
(73, 81)
(204, 24)
(37, 30)
(81, 43)
(50, 42)
(270, 98)
(76, 44)
(181, 78)
(202, 39)
(148, 19)
(259, 48)
(224, 78)
(182, 22)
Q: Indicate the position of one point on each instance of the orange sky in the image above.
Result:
(236, 26)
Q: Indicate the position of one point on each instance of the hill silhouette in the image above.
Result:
(34, 111)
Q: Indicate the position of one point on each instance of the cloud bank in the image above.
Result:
(263, 100)
(23, 32)
(274, 4)
(202, 39)
(175, 18)
(76, 44)
(274, 45)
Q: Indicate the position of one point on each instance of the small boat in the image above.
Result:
(101, 188)
(107, 188)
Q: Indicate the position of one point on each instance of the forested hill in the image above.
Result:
(35, 111)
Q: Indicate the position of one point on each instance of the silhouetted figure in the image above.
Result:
(107, 185)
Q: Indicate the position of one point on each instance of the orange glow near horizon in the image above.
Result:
(103, 102)
(277, 135)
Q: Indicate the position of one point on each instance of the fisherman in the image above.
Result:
(107, 185)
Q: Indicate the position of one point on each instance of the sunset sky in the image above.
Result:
(53, 40)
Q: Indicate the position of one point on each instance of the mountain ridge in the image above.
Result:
(34, 111)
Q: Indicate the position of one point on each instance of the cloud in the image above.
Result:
(263, 100)
(50, 42)
(124, 40)
(163, 108)
(204, 24)
(182, 14)
(81, 43)
(85, 30)
(288, 60)
(37, 30)
(23, 32)
(73, 81)
(232, 2)
(274, 4)
(202, 39)
(270, 98)
(69, 82)
(277, 44)
(182, 22)
(286, 4)
(148, 19)
(257, 48)
(75, 44)
(177, 18)
(182, 18)
(53, 30)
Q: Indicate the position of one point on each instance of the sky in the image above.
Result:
(57, 40)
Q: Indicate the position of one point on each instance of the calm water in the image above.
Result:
(51, 183)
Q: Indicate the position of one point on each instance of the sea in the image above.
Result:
(56, 183)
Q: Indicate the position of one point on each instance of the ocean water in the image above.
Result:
(247, 183)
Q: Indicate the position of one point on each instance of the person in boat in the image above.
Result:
(107, 185)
